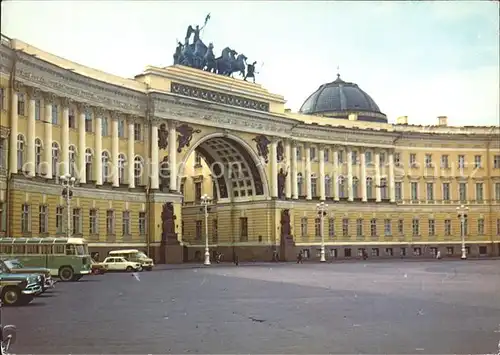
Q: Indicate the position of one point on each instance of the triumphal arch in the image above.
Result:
(146, 151)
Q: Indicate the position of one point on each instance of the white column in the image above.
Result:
(378, 191)
(30, 135)
(362, 180)
(130, 153)
(335, 180)
(172, 153)
(308, 172)
(294, 168)
(115, 149)
(350, 194)
(65, 138)
(82, 176)
(321, 157)
(13, 128)
(392, 183)
(155, 178)
(288, 182)
(274, 167)
(49, 99)
(97, 161)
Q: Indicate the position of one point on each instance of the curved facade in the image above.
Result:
(145, 151)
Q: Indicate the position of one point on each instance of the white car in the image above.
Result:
(116, 263)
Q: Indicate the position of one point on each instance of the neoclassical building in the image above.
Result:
(145, 150)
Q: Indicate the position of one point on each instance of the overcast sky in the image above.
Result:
(420, 59)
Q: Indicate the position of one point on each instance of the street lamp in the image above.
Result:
(68, 184)
(322, 208)
(462, 214)
(205, 201)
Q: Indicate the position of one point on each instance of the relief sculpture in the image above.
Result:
(185, 134)
(162, 137)
(262, 143)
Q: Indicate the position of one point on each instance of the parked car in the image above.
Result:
(136, 256)
(14, 266)
(117, 263)
(19, 289)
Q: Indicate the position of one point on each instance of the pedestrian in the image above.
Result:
(236, 260)
(300, 258)
(438, 255)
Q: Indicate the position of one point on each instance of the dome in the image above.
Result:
(339, 99)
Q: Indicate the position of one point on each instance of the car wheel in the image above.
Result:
(129, 269)
(11, 295)
(139, 268)
(149, 268)
(66, 273)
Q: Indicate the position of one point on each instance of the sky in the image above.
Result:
(415, 59)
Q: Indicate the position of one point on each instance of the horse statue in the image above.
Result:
(178, 53)
(209, 58)
(187, 54)
(199, 54)
(239, 65)
(223, 63)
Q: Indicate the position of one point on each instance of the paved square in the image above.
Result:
(433, 307)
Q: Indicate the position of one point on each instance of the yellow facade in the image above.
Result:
(113, 134)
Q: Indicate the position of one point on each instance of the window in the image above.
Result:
(88, 165)
(428, 160)
(215, 231)
(37, 110)
(121, 168)
(105, 166)
(93, 226)
(375, 252)
(368, 158)
(110, 222)
(71, 118)
(477, 161)
(415, 226)
(121, 128)
(496, 162)
(314, 186)
(342, 187)
(340, 155)
(331, 227)
(479, 191)
(444, 162)
(402, 251)
(389, 252)
(461, 161)
(397, 159)
(347, 252)
(138, 168)
(243, 229)
(430, 191)
(480, 226)
(328, 186)
(345, 227)
(137, 132)
(312, 153)
(449, 251)
(77, 221)
(354, 157)
(382, 159)
(497, 191)
(462, 191)
(434, 251)
(126, 223)
(197, 191)
(198, 230)
(299, 184)
(414, 191)
(446, 191)
(72, 160)
(401, 224)
(299, 153)
(355, 188)
(197, 160)
(359, 227)
(317, 227)
(398, 191)
(55, 114)
(104, 126)
(413, 159)
(417, 251)
(38, 156)
(387, 227)
(20, 152)
(43, 219)
(447, 227)
(373, 227)
(55, 159)
(59, 219)
(327, 155)
(432, 227)
(25, 219)
(303, 226)
(142, 223)
(88, 121)
(369, 188)
(21, 104)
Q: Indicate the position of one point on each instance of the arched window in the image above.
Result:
(383, 188)
(300, 182)
(72, 160)
(88, 164)
(55, 159)
(121, 168)
(20, 151)
(369, 188)
(38, 156)
(342, 186)
(328, 186)
(138, 171)
(355, 187)
(105, 166)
